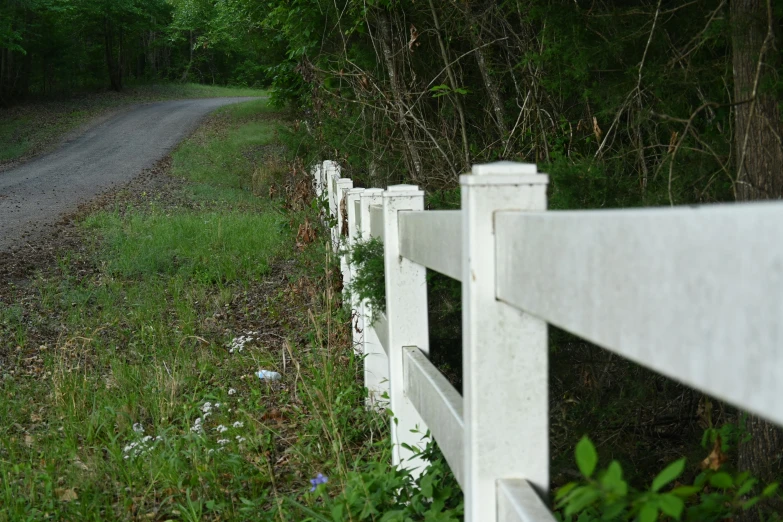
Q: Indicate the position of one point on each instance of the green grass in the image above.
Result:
(137, 332)
(211, 247)
(36, 127)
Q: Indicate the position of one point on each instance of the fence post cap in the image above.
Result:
(402, 188)
(504, 167)
(373, 192)
(355, 191)
(394, 191)
(345, 182)
(504, 173)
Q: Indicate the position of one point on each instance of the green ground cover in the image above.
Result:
(127, 370)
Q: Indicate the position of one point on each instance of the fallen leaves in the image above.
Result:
(716, 458)
(66, 494)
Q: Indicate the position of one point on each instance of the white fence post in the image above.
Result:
(357, 320)
(331, 173)
(376, 363)
(317, 171)
(504, 352)
(343, 186)
(406, 313)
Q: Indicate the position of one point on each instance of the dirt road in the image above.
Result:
(36, 194)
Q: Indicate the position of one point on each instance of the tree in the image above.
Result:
(759, 158)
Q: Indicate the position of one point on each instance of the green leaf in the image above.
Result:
(770, 490)
(746, 487)
(582, 497)
(685, 491)
(669, 473)
(565, 490)
(672, 505)
(586, 457)
(649, 512)
(721, 480)
(750, 503)
(612, 479)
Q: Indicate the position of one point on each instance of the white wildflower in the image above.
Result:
(138, 428)
(238, 424)
(231, 391)
(240, 438)
(221, 429)
(223, 442)
(197, 426)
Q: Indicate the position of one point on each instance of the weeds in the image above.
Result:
(122, 396)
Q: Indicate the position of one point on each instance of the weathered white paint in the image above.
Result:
(376, 362)
(693, 293)
(381, 326)
(406, 315)
(352, 197)
(433, 239)
(519, 502)
(331, 173)
(376, 221)
(439, 404)
(317, 172)
(504, 355)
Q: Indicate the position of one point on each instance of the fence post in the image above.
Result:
(331, 173)
(317, 172)
(354, 219)
(504, 350)
(376, 363)
(343, 186)
(406, 314)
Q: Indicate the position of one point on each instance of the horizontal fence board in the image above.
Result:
(519, 502)
(693, 293)
(439, 405)
(381, 326)
(376, 221)
(433, 239)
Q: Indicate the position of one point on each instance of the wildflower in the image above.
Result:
(238, 424)
(221, 429)
(223, 442)
(197, 427)
(138, 428)
(319, 479)
(206, 407)
(231, 391)
(240, 438)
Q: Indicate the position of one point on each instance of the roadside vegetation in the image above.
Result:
(128, 368)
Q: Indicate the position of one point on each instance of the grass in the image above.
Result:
(127, 371)
(36, 127)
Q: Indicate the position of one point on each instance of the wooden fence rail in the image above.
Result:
(693, 293)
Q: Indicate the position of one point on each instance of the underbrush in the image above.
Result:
(129, 371)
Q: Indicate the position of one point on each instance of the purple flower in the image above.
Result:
(319, 479)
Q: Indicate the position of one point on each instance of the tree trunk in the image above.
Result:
(757, 131)
(112, 64)
(757, 121)
(415, 166)
(453, 95)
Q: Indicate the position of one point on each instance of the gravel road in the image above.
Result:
(37, 194)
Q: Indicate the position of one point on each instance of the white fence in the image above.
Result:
(694, 293)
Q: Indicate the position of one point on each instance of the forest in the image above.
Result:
(623, 103)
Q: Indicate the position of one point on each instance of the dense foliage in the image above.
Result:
(55, 47)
